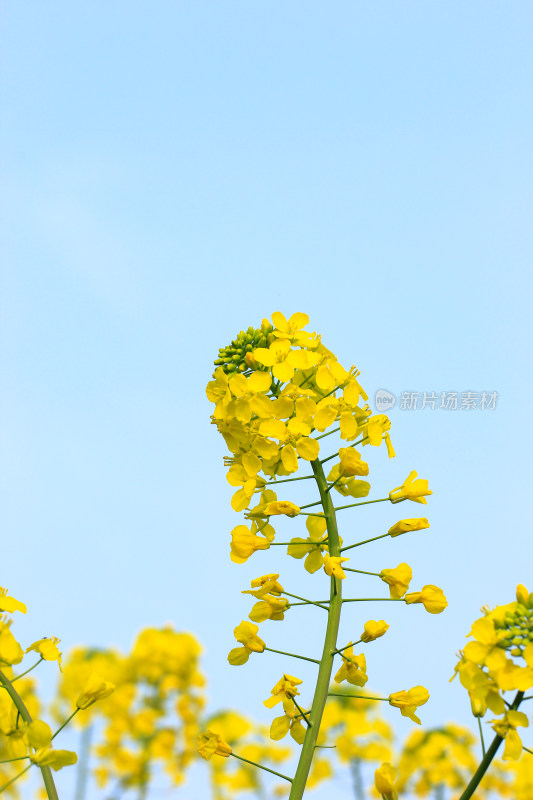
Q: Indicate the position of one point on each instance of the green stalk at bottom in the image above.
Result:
(46, 772)
(489, 755)
(330, 642)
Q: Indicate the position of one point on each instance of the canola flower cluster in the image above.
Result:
(25, 739)
(500, 660)
(150, 723)
(278, 393)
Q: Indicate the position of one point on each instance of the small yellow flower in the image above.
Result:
(398, 579)
(351, 463)
(373, 630)
(486, 649)
(310, 547)
(409, 701)
(47, 648)
(333, 565)
(281, 507)
(9, 604)
(431, 597)
(245, 541)
(411, 489)
(266, 584)
(95, 689)
(56, 759)
(523, 596)
(285, 689)
(353, 669)
(210, 744)
(407, 525)
(246, 634)
(269, 607)
(283, 360)
(507, 727)
(384, 780)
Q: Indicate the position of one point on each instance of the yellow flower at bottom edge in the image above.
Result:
(409, 701)
(431, 597)
(384, 780)
(210, 744)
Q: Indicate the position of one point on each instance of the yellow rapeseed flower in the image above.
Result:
(384, 781)
(210, 744)
(9, 604)
(373, 630)
(245, 541)
(431, 597)
(409, 701)
(95, 689)
(246, 634)
(333, 566)
(353, 669)
(281, 507)
(398, 579)
(411, 489)
(47, 649)
(407, 525)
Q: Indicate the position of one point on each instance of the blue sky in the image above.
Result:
(174, 173)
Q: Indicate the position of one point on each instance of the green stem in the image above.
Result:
(336, 455)
(17, 677)
(24, 713)
(330, 638)
(82, 773)
(288, 480)
(366, 599)
(364, 503)
(366, 541)
(323, 435)
(293, 655)
(308, 544)
(355, 767)
(255, 764)
(305, 600)
(481, 737)
(20, 774)
(9, 760)
(309, 505)
(487, 758)
(361, 571)
(308, 514)
(302, 712)
(358, 696)
(335, 482)
(66, 722)
(342, 649)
